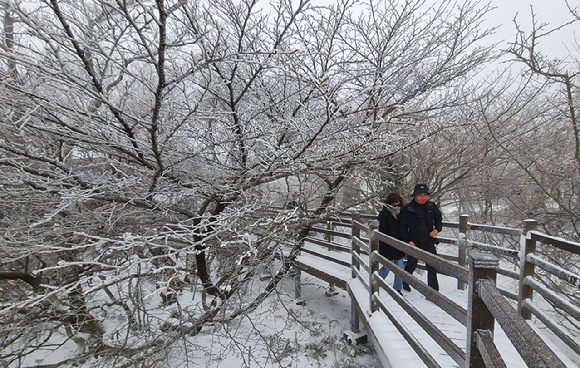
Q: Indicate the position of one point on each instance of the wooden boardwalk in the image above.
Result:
(392, 349)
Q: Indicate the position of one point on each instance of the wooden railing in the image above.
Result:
(476, 263)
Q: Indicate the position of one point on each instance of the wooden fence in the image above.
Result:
(477, 264)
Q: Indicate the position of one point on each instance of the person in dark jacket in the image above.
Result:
(389, 225)
(420, 223)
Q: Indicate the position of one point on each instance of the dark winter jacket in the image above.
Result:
(409, 221)
(389, 225)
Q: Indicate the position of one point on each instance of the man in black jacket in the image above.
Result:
(421, 222)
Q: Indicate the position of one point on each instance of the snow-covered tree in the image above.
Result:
(149, 145)
(532, 131)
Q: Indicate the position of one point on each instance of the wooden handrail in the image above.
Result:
(451, 225)
(494, 249)
(408, 336)
(330, 246)
(529, 345)
(330, 232)
(495, 229)
(328, 258)
(557, 330)
(453, 309)
(438, 262)
(489, 353)
(558, 301)
(562, 274)
(490, 295)
(360, 226)
(568, 246)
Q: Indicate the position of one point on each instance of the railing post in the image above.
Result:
(526, 269)
(481, 266)
(298, 287)
(355, 233)
(373, 264)
(462, 242)
(354, 318)
(328, 237)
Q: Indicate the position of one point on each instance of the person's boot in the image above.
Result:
(406, 286)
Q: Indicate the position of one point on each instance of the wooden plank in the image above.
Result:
(408, 336)
(360, 226)
(557, 242)
(495, 229)
(452, 225)
(330, 232)
(364, 247)
(436, 261)
(553, 269)
(375, 325)
(327, 257)
(445, 240)
(362, 307)
(338, 282)
(331, 246)
(489, 353)
(343, 223)
(533, 350)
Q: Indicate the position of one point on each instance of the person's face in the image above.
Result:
(421, 198)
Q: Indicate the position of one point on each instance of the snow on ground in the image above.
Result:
(283, 334)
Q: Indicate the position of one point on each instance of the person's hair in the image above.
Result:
(393, 198)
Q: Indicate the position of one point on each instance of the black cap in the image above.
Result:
(420, 188)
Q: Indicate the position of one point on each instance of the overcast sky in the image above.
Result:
(554, 12)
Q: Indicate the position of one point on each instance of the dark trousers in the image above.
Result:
(431, 271)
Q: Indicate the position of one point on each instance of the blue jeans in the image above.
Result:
(383, 272)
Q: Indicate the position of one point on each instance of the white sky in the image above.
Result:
(554, 12)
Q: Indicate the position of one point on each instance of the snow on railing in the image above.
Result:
(365, 262)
